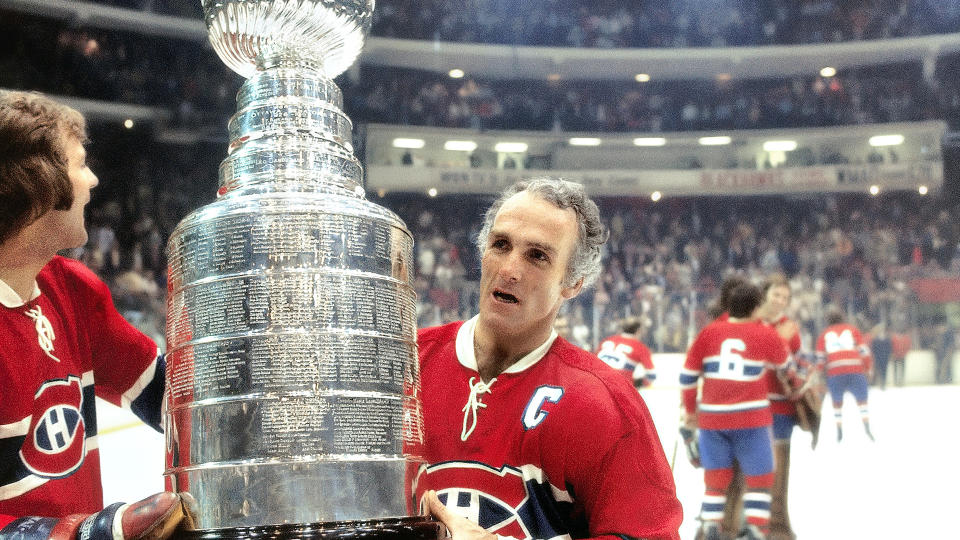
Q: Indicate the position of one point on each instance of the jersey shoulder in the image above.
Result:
(64, 275)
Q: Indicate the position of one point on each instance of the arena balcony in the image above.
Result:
(632, 161)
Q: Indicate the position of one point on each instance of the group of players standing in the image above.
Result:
(745, 385)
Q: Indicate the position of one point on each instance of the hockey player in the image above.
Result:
(628, 355)
(783, 400)
(733, 413)
(846, 359)
(526, 435)
(61, 342)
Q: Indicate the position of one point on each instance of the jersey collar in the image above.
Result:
(10, 299)
(467, 358)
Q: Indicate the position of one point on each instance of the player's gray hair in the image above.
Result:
(585, 261)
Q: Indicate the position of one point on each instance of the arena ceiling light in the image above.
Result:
(779, 146)
(584, 141)
(886, 140)
(402, 142)
(828, 72)
(923, 190)
(874, 189)
(656, 196)
(456, 73)
(460, 146)
(714, 141)
(510, 147)
(641, 77)
(649, 141)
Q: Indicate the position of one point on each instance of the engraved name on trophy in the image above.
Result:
(292, 406)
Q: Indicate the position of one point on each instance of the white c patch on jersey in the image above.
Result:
(533, 414)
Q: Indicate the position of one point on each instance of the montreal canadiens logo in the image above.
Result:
(514, 501)
(55, 444)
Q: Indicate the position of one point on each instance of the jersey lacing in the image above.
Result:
(473, 403)
(45, 335)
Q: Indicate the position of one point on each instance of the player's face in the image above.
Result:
(778, 299)
(66, 228)
(523, 267)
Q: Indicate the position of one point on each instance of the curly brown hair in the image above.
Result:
(34, 175)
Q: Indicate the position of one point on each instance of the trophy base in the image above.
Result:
(408, 528)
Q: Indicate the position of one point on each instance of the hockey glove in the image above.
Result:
(691, 444)
(153, 518)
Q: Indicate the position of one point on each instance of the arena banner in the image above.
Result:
(612, 182)
(936, 290)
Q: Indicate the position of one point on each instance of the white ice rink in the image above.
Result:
(904, 485)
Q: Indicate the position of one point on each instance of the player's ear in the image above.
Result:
(570, 292)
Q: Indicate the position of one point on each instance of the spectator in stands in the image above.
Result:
(900, 343)
(881, 347)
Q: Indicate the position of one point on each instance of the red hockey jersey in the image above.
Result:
(843, 350)
(557, 446)
(628, 356)
(732, 358)
(57, 351)
(790, 334)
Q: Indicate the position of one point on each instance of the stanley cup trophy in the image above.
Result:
(292, 406)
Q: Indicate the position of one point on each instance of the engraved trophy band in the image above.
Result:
(293, 391)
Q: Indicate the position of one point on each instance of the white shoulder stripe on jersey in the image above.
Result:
(849, 362)
(746, 361)
(532, 472)
(145, 378)
(16, 429)
(21, 486)
(33, 481)
(743, 405)
(526, 472)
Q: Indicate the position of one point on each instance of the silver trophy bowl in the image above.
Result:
(326, 34)
(292, 376)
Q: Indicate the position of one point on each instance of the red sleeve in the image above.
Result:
(645, 357)
(795, 343)
(621, 475)
(690, 375)
(123, 357)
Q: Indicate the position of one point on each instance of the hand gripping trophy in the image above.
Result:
(292, 404)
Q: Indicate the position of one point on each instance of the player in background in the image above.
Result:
(525, 434)
(733, 412)
(733, 511)
(62, 342)
(845, 357)
(718, 310)
(628, 355)
(785, 398)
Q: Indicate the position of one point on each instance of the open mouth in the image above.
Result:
(505, 297)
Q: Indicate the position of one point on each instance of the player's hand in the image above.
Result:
(153, 518)
(690, 421)
(459, 527)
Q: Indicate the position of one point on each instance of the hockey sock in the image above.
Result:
(756, 501)
(865, 418)
(715, 498)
